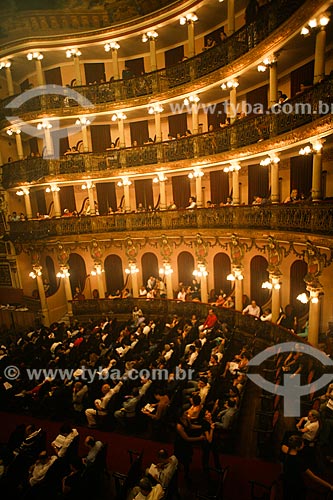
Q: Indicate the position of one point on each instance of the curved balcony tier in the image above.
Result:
(309, 114)
(203, 70)
(312, 218)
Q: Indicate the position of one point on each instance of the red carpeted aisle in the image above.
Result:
(237, 484)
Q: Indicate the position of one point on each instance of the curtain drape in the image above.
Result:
(136, 66)
(217, 115)
(219, 186)
(177, 124)
(106, 197)
(173, 56)
(257, 96)
(259, 274)
(67, 198)
(144, 192)
(95, 72)
(149, 264)
(258, 182)
(301, 174)
(39, 195)
(185, 264)
(139, 132)
(181, 190)
(33, 143)
(100, 137)
(304, 75)
(114, 277)
(53, 76)
(222, 267)
(78, 273)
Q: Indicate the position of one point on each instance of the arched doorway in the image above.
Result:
(149, 265)
(259, 274)
(52, 279)
(185, 264)
(114, 276)
(78, 273)
(222, 267)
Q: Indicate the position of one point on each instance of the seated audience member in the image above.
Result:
(252, 309)
(238, 364)
(79, 395)
(165, 468)
(172, 206)
(266, 315)
(210, 42)
(71, 484)
(229, 303)
(102, 404)
(145, 491)
(225, 418)
(191, 203)
(64, 440)
(94, 448)
(293, 197)
(157, 410)
(194, 410)
(209, 323)
(309, 426)
(39, 469)
(128, 407)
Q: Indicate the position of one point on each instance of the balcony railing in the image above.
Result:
(304, 108)
(303, 217)
(242, 41)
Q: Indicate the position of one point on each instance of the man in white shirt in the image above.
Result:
(145, 491)
(102, 404)
(191, 203)
(41, 466)
(64, 440)
(164, 470)
(252, 309)
(266, 315)
(309, 426)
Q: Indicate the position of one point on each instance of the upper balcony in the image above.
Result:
(316, 219)
(308, 114)
(194, 73)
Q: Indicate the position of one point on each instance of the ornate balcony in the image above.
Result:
(165, 80)
(309, 107)
(302, 218)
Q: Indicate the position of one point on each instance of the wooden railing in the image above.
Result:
(305, 108)
(190, 70)
(314, 218)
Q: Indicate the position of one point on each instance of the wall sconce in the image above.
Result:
(5, 64)
(35, 55)
(111, 46)
(200, 272)
(269, 160)
(191, 99)
(150, 35)
(12, 131)
(232, 168)
(124, 182)
(73, 52)
(196, 173)
(36, 272)
(266, 63)
(304, 298)
(44, 125)
(317, 146)
(237, 276)
(230, 84)
(82, 121)
(191, 17)
(88, 185)
(52, 189)
(132, 269)
(166, 270)
(22, 192)
(155, 108)
(314, 23)
(63, 274)
(97, 271)
(160, 178)
(118, 116)
(268, 285)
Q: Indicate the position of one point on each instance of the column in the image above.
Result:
(168, 282)
(191, 39)
(27, 202)
(85, 138)
(100, 281)
(152, 48)
(115, 64)
(276, 300)
(233, 105)
(204, 289)
(231, 17)
(158, 130)
(273, 84)
(90, 190)
(42, 297)
(317, 170)
(121, 132)
(235, 188)
(275, 197)
(77, 70)
(39, 72)
(127, 197)
(238, 289)
(195, 118)
(49, 151)
(68, 290)
(198, 190)
(19, 146)
(163, 204)
(135, 286)
(314, 315)
(319, 66)
(56, 202)
(9, 78)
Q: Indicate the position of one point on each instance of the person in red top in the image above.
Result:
(210, 322)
